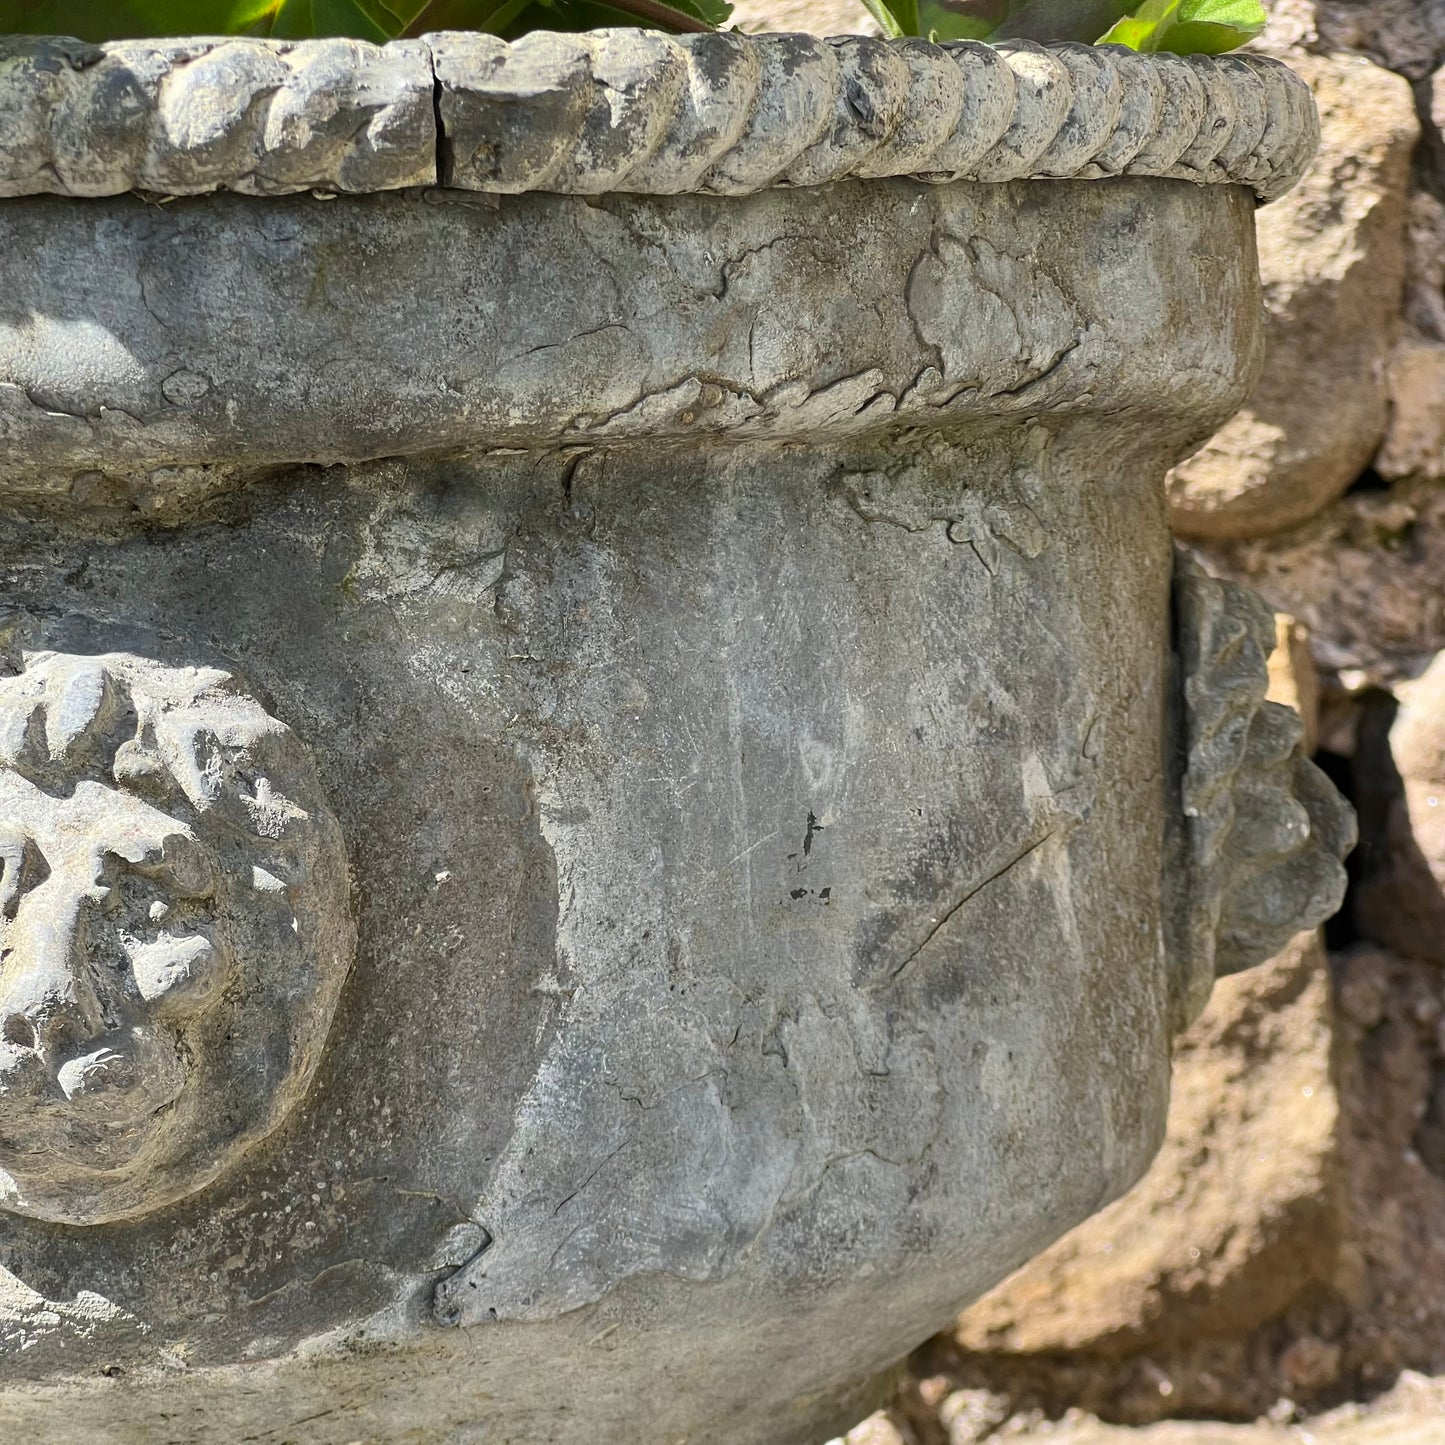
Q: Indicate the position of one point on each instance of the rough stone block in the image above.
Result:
(1400, 899)
(1239, 1213)
(1414, 445)
(1332, 256)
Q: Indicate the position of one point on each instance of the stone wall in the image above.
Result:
(1286, 1256)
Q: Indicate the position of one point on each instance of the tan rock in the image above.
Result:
(1382, 1313)
(1366, 577)
(1400, 898)
(1425, 266)
(1293, 677)
(1293, 27)
(1404, 35)
(1332, 255)
(1384, 1429)
(1412, 1413)
(1239, 1213)
(875, 1430)
(970, 1416)
(1415, 442)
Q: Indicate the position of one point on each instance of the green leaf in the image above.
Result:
(393, 15)
(1189, 27)
(511, 18)
(96, 21)
(490, 17)
(886, 19)
(657, 14)
(955, 20)
(187, 17)
(305, 19)
(716, 13)
(1184, 26)
(1080, 20)
(375, 20)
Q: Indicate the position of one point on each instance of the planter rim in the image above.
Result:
(631, 111)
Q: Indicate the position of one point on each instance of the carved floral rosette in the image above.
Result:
(174, 929)
(1261, 833)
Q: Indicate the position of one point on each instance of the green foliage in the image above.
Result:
(375, 20)
(1189, 27)
(1186, 27)
(1183, 26)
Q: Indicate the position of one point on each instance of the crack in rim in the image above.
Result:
(631, 111)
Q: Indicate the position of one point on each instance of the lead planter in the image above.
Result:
(609, 790)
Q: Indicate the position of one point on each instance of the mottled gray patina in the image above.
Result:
(790, 799)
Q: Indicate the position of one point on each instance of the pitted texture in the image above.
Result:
(1265, 833)
(631, 110)
(182, 117)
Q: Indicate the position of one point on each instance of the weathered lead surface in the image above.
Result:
(630, 110)
(731, 627)
(162, 354)
(737, 657)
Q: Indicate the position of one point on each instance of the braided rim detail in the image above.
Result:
(631, 110)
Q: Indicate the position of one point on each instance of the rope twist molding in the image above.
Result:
(631, 110)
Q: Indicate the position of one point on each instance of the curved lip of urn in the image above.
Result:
(631, 111)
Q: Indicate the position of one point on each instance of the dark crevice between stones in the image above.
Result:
(1372, 782)
(1358, 777)
(1368, 481)
(445, 158)
(1428, 165)
(1342, 931)
(1369, 779)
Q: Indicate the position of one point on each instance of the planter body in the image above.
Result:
(733, 636)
